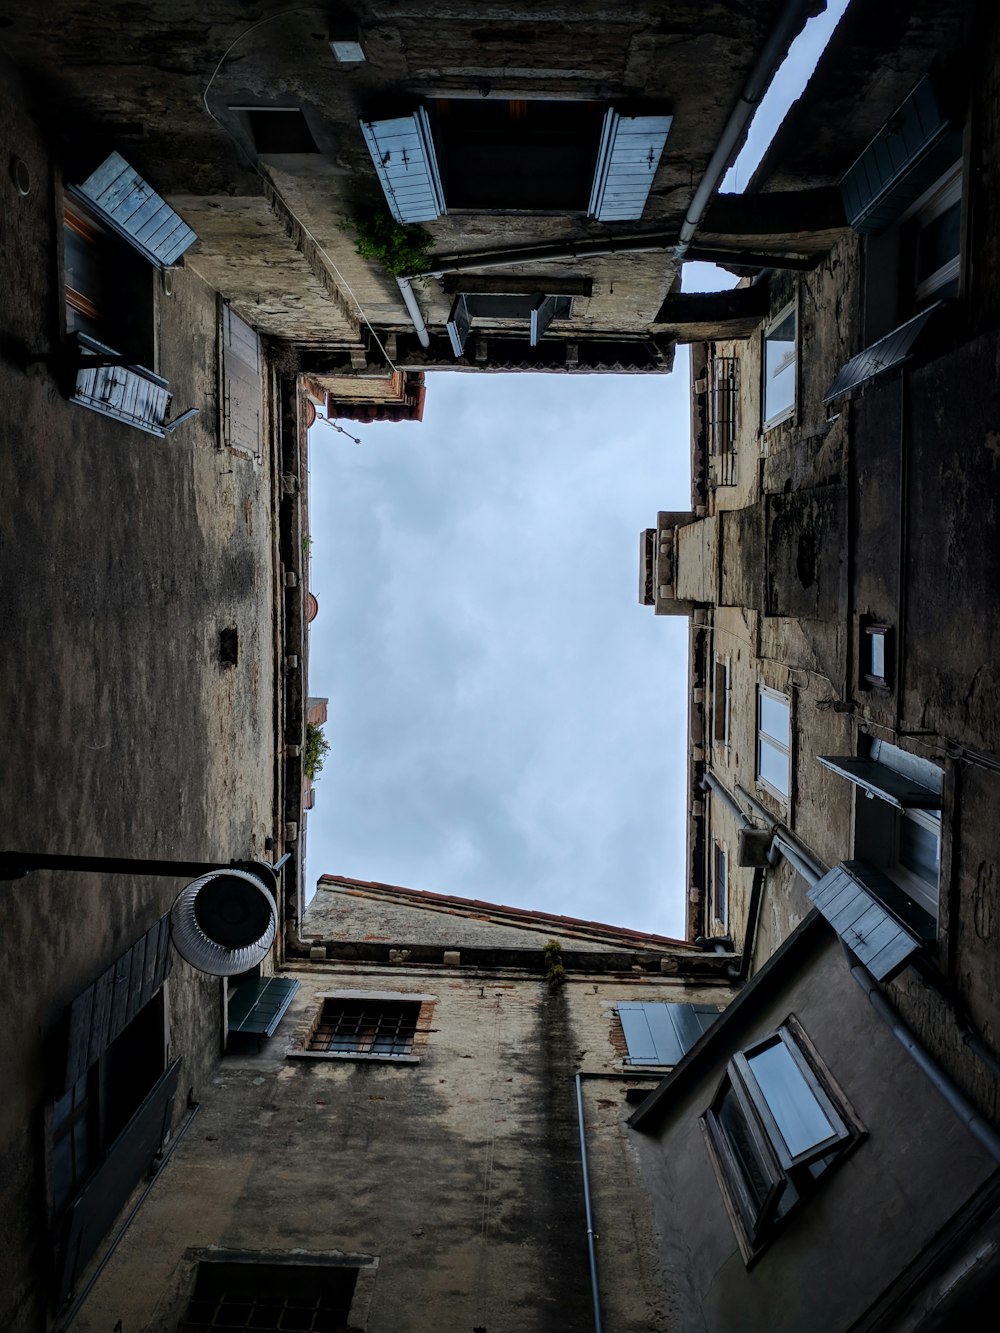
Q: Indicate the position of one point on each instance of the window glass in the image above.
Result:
(919, 849)
(877, 655)
(721, 903)
(779, 368)
(774, 720)
(800, 1119)
(745, 1152)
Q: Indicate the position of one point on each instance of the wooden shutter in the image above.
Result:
(459, 324)
(660, 1033)
(890, 351)
(124, 202)
(629, 153)
(403, 153)
(882, 781)
(857, 900)
(100, 1013)
(241, 394)
(94, 1210)
(130, 394)
(900, 162)
(544, 311)
(259, 1006)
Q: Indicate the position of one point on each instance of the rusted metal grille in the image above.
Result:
(270, 1296)
(724, 417)
(366, 1027)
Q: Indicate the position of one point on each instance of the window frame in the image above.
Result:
(721, 701)
(869, 676)
(782, 1172)
(720, 857)
(941, 196)
(724, 417)
(763, 737)
(423, 1004)
(787, 413)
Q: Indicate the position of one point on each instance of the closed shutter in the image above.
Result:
(659, 1033)
(630, 151)
(890, 351)
(259, 1006)
(123, 201)
(403, 153)
(241, 394)
(882, 781)
(459, 324)
(94, 1210)
(864, 908)
(102, 1011)
(909, 152)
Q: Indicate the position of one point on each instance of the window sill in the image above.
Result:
(354, 1057)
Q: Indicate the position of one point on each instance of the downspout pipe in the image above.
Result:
(413, 310)
(595, 1291)
(710, 782)
(977, 1125)
(809, 868)
(772, 54)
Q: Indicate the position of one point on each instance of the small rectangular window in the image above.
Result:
(724, 418)
(253, 1295)
(774, 741)
(720, 702)
(278, 129)
(720, 887)
(379, 1029)
(780, 356)
(777, 1125)
(876, 655)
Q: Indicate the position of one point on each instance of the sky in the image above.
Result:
(506, 722)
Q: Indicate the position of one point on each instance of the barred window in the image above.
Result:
(269, 1296)
(365, 1027)
(723, 417)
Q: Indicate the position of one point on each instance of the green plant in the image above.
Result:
(307, 542)
(316, 748)
(401, 250)
(555, 973)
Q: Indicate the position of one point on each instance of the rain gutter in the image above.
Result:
(773, 53)
(413, 310)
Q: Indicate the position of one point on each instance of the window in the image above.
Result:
(241, 389)
(376, 1029)
(774, 741)
(780, 341)
(723, 418)
(720, 886)
(533, 313)
(720, 702)
(776, 1127)
(876, 655)
(277, 129)
(932, 236)
(254, 1295)
(109, 288)
(660, 1033)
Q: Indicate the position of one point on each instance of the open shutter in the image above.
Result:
(907, 155)
(126, 393)
(259, 1006)
(100, 1013)
(630, 151)
(403, 153)
(864, 906)
(123, 201)
(459, 324)
(882, 781)
(544, 311)
(890, 351)
(660, 1033)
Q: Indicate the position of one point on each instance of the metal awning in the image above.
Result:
(258, 1006)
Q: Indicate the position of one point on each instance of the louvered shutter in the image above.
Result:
(130, 394)
(659, 1033)
(909, 152)
(890, 351)
(544, 311)
(403, 153)
(882, 781)
(241, 396)
(629, 153)
(126, 204)
(864, 907)
(459, 324)
(258, 1006)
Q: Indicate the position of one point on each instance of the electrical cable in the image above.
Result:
(300, 9)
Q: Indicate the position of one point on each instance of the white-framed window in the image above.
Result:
(776, 1126)
(877, 655)
(774, 740)
(780, 366)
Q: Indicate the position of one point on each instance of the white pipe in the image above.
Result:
(413, 310)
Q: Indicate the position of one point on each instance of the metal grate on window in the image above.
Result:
(270, 1296)
(723, 417)
(362, 1027)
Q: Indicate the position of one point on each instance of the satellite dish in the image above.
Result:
(224, 922)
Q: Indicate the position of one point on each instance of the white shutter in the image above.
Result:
(123, 201)
(403, 153)
(630, 151)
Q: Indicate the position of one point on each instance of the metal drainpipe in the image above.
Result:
(595, 1291)
(772, 54)
(809, 868)
(756, 806)
(709, 780)
(977, 1126)
(413, 310)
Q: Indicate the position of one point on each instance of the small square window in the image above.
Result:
(776, 1126)
(780, 357)
(379, 1029)
(774, 741)
(876, 655)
